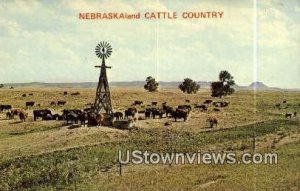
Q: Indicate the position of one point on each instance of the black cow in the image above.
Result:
(5, 107)
(65, 93)
(9, 115)
(82, 118)
(154, 103)
(136, 102)
(72, 117)
(216, 109)
(288, 115)
(157, 112)
(185, 107)
(62, 102)
(118, 115)
(31, 94)
(40, 113)
(180, 113)
(208, 101)
(130, 112)
(148, 112)
(58, 117)
(168, 109)
(29, 103)
(66, 111)
(202, 107)
(23, 95)
(48, 117)
(221, 103)
(75, 94)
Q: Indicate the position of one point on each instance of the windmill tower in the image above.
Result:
(102, 101)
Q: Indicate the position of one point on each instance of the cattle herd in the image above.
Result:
(154, 110)
(285, 105)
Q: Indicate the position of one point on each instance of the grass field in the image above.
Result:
(48, 155)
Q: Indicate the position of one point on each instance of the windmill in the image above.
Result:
(102, 101)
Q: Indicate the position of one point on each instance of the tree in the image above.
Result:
(151, 85)
(223, 87)
(1, 85)
(189, 86)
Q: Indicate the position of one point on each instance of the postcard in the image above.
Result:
(149, 95)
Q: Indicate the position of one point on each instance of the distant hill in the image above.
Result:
(258, 85)
(173, 84)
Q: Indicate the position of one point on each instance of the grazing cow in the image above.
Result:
(137, 102)
(187, 101)
(23, 115)
(118, 115)
(75, 94)
(148, 112)
(16, 111)
(212, 120)
(40, 113)
(5, 107)
(29, 103)
(62, 102)
(295, 114)
(185, 107)
(221, 103)
(168, 109)
(31, 94)
(65, 93)
(157, 112)
(23, 95)
(202, 107)
(180, 113)
(277, 105)
(288, 115)
(154, 103)
(48, 117)
(58, 117)
(52, 103)
(284, 101)
(72, 117)
(82, 118)
(66, 111)
(216, 109)
(71, 114)
(9, 115)
(207, 101)
(130, 112)
(94, 119)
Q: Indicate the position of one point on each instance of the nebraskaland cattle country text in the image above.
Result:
(151, 15)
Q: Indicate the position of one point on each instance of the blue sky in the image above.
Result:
(45, 41)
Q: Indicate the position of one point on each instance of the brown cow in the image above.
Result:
(212, 120)
(23, 115)
(94, 119)
(16, 112)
